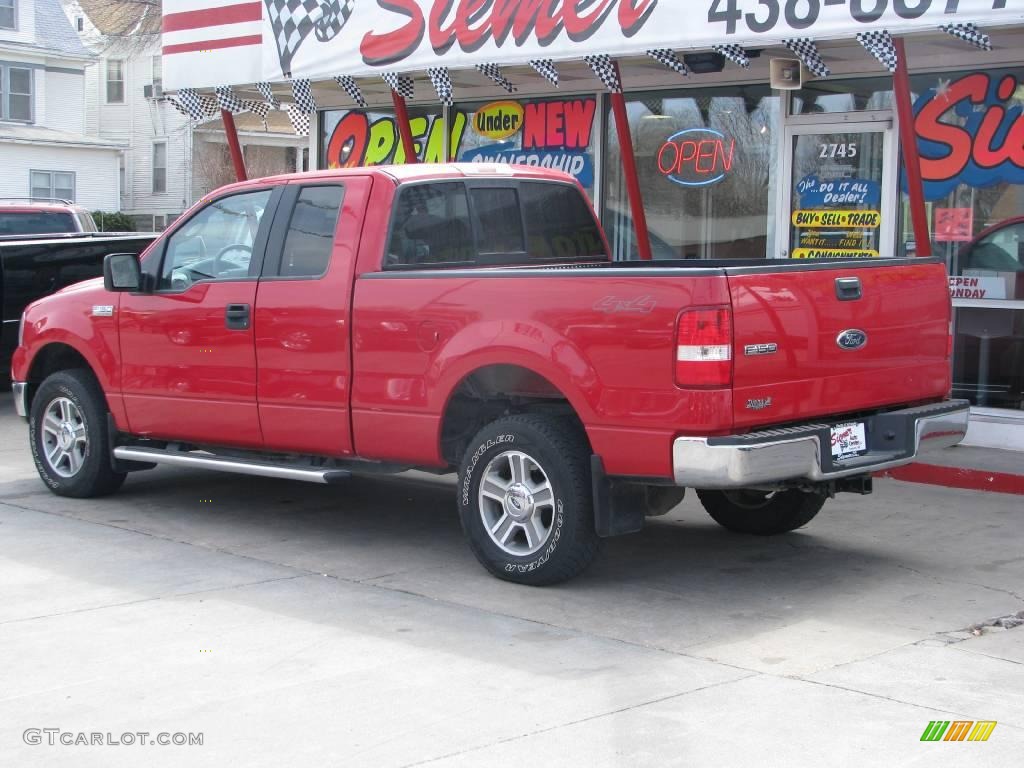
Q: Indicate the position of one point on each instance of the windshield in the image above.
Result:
(35, 222)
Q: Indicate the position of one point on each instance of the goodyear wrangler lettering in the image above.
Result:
(471, 24)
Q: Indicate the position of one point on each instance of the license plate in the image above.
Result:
(849, 440)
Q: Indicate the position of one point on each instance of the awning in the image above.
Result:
(208, 43)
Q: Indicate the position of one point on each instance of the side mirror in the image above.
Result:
(122, 272)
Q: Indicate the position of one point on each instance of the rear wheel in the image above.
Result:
(68, 436)
(524, 500)
(759, 512)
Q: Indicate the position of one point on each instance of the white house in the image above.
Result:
(46, 150)
(167, 163)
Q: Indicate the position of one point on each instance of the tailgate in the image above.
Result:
(849, 336)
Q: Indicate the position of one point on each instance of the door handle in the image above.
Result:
(848, 288)
(236, 317)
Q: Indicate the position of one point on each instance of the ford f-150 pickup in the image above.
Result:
(468, 318)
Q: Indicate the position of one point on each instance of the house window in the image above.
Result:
(115, 81)
(49, 185)
(8, 14)
(15, 93)
(158, 75)
(80, 24)
(160, 167)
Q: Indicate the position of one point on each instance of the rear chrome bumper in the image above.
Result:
(20, 391)
(804, 452)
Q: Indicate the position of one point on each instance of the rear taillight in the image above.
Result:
(704, 347)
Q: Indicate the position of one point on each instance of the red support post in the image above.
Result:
(636, 202)
(404, 129)
(911, 158)
(236, 149)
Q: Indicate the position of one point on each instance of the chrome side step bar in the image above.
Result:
(230, 464)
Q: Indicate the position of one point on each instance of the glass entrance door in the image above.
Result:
(842, 178)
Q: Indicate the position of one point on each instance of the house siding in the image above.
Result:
(95, 172)
(64, 101)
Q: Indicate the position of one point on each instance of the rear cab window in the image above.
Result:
(484, 222)
(36, 223)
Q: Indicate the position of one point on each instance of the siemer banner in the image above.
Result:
(225, 42)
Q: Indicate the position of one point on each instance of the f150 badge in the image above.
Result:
(852, 338)
(761, 349)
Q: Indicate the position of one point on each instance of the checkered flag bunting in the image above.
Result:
(299, 120)
(669, 59)
(197, 107)
(226, 99)
(303, 93)
(267, 92)
(292, 20)
(347, 83)
(879, 44)
(807, 52)
(970, 33)
(493, 71)
(546, 68)
(400, 84)
(259, 108)
(442, 83)
(605, 70)
(733, 53)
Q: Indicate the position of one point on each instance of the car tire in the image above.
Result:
(761, 513)
(68, 436)
(525, 500)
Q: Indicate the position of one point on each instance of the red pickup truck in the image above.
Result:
(468, 318)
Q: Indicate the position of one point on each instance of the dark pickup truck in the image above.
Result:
(33, 266)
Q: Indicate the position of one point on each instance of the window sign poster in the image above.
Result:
(837, 196)
(954, 225)
(547, 133)
(359, 137)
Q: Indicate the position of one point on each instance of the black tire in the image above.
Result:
(560, 456)
(760, 513)
(94, 475)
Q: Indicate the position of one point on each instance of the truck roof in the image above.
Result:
(421, 171)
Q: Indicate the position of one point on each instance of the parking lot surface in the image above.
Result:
(294, 624)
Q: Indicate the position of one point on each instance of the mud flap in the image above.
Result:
(619, 507)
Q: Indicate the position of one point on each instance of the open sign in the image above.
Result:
(696, 157)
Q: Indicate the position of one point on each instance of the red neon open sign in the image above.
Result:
(696, 157)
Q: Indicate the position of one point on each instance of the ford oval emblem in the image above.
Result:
(852, 338)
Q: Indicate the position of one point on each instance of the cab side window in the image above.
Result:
(216, 243)
(431, 226)
(310, 237)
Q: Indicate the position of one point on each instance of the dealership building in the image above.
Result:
(758, 147)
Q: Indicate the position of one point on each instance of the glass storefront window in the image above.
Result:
(835, 95)
(554, 133)
(706, 161)
(355, 137)
(969, 128)
(988, 358)
(837, 191)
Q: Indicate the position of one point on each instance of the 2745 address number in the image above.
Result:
(801, 14)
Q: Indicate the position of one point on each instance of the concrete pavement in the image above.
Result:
(299, 625)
